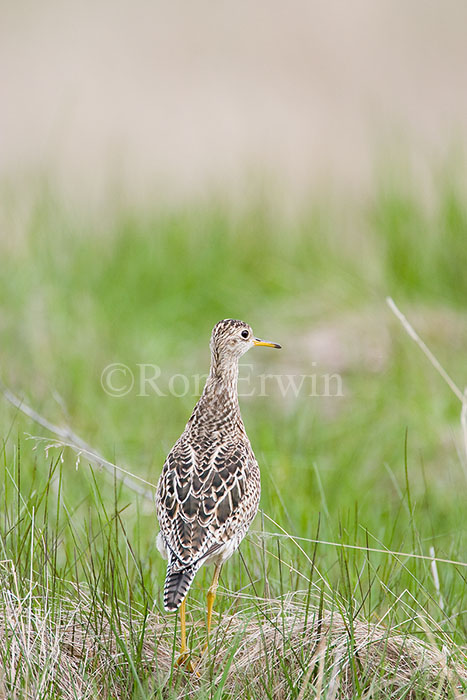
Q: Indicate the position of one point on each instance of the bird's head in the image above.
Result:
(230, 339)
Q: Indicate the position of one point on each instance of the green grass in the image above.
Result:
(380, 468)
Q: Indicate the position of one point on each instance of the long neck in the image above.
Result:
(218, 408)
(223, 377)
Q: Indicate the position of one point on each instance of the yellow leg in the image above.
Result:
(184, 657)
(211, 597)
(183, 646)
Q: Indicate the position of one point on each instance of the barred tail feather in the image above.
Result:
(176, 586)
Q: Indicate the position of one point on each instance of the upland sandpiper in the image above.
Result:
(209, 489)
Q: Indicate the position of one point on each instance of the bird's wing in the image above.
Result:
(205, 498)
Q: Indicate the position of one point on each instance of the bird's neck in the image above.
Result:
(218, 406)
(223, 376)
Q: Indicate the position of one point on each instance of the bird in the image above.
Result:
(209, 488)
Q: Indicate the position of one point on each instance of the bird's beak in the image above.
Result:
(257, 341)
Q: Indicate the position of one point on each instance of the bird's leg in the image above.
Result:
(183, 646)
(211, 598)
(184, 657)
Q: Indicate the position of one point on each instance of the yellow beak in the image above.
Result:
(257, 341)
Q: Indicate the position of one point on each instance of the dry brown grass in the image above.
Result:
(81, 652)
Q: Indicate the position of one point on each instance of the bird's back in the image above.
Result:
(207, 496)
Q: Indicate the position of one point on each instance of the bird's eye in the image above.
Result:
(245, 334)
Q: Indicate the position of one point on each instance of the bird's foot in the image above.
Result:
(201, 659)
(185, 661)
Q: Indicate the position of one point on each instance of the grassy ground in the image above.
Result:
(381, 467)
